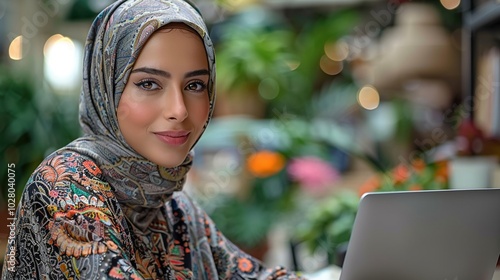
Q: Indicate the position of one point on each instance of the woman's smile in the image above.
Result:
(173, 137)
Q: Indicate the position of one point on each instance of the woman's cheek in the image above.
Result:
(123, 110)
(201, 111)
(135, 111)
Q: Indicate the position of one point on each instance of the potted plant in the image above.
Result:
(251, 62)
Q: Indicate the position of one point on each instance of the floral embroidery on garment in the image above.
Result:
(65, 230)
(65, 226)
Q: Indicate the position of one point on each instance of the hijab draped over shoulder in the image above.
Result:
(96, 209)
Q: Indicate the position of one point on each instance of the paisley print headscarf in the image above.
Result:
(114, 43)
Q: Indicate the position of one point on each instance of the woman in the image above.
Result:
(109, 205)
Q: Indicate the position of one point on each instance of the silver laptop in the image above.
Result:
(425, 235)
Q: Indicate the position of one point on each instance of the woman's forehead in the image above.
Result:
(177, 25)
(175, 48)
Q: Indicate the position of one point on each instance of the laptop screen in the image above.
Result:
(443, 234)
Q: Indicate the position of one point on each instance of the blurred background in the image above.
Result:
(318, 102)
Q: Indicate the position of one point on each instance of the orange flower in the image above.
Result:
(441, 180)
(401, 174)
(245, 265)
(418, 165)
(265, 163)
(370, 185)
(442, 170)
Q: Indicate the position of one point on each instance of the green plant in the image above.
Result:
(308, 48)
(247, 56)
(30, 130)
(278, 61)
(419, 175)
(247, 220)
(328, 225)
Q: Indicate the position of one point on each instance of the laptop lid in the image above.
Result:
(442, 235)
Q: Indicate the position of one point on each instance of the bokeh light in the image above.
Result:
(50, 42)
(292, 64)
(450, 4)
(62, 62)
(16, 48)
(337, 51)
(368, 97)
(269, 89)
(329, 66)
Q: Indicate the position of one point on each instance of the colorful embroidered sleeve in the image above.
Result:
(67, 226)
(227, 261)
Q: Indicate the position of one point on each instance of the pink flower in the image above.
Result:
(313, 174)
(53, 193)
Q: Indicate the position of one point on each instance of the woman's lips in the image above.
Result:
(174, 138)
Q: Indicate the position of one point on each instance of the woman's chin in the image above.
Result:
(170, 163)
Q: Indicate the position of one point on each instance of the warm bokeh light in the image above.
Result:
(368, 98)
(62, 62)
(337, 51)
(329, 66)
(16, 48)
(50, 42)
(292, 64)
(450, 4)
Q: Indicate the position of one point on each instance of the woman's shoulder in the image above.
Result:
(182, 203)
(64, 162)
(69, 172)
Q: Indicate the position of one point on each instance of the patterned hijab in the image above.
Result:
(113, 44)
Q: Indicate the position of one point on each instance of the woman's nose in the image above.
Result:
(175, 107)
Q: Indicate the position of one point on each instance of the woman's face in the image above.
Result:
(165, 103)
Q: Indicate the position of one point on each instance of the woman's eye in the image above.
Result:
(147, 85)
(196, 86)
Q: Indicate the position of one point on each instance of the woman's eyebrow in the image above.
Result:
(197, 73)
(152, 71)
(158, 72)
